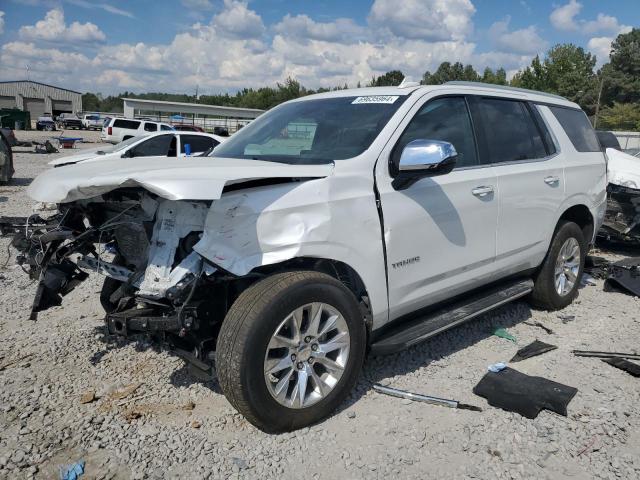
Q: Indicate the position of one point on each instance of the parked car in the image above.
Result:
(92, 121)
(222, 131)
(187, 128)
(68, 121)
(45, 123)
(333, 225)
(6, 158)
(159, 144)
(119, 129)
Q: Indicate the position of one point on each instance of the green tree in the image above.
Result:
(90, 102)
(620, 116)
(448, 72)
(566, 70)
(622, 74)
(389, 79)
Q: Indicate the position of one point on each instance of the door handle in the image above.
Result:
(482, 191)
(551, 180)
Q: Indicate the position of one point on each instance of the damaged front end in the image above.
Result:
(622, 217)
(154, 281)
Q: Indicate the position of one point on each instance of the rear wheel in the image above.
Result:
(557, 282)
(290, 350)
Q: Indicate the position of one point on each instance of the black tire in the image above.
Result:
(544, 294)
(247, 330)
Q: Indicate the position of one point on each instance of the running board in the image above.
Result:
(416, 331)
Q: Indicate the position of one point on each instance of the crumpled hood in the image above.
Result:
(196, 178)
(78, 157)
(623, 169)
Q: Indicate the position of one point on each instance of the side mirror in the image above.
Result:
(128, 154)
(424, 158)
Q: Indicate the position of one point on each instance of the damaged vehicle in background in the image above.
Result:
(6, 158)
(332, 225)
(160, 145)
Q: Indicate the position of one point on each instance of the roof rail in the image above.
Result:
(503, 87)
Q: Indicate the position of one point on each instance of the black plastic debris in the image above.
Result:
(597, 267)
(629, 367)
(514, 391)
(540, 325)
(532, 350)
(624, 276)
(591, 353)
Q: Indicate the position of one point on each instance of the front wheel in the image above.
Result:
(557, 282)
(290, 350)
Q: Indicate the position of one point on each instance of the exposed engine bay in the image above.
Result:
(143, 244)
(622, 217)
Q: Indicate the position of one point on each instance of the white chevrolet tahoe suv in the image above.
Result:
(334, 225)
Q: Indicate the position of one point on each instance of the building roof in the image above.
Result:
(40, 83)
(180, 107)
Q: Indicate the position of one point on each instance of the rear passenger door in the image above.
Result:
(530, 178)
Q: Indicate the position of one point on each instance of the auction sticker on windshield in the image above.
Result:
(375, 99)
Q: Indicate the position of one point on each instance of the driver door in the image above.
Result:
(440, 232)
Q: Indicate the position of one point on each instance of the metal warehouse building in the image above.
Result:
(38, 98)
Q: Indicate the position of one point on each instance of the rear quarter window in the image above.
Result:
(578, 128)
(129, 124)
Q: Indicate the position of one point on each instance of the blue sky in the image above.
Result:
(223, 45)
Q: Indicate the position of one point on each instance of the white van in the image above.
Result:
(119, 129)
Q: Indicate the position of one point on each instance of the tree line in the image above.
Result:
(609, 95)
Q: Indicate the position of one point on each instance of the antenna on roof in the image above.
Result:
(406, 83)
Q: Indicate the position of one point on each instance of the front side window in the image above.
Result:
(510, 131)
(578, 128)
(446, 119)
(155, 146)
(313, 131)
(150, 127)
(166, 127)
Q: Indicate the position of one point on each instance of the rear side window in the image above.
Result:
(578, 128)
(446, 119)
(166, 127)
(198, 143)
(129, 124)
(150, 127)
(511, 132)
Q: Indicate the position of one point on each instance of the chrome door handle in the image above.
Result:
(482, 191)
(551, 180)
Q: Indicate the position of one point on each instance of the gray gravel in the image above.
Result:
(174, 425)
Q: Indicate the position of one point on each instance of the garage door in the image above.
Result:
(35, 106)
(61, 106)
(7, 102)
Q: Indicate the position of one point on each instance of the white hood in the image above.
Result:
(623, 169)
(85, 154)
(195, 178)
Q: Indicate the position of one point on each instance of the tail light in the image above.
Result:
(109, 131)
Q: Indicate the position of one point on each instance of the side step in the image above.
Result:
(415, 331)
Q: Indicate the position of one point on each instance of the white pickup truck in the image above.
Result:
(334, 225)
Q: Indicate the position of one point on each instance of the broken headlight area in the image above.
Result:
(143, 245)
(622, 217)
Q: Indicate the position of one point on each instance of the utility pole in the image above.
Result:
(595, 117)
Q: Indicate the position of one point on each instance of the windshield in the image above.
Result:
(313, 131)
(120, 146)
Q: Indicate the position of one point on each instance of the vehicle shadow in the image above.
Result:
(3, 199)
(377, 369)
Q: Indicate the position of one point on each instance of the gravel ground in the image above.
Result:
(151, 419)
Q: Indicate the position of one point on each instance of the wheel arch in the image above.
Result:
(581, 216)
(341, 271)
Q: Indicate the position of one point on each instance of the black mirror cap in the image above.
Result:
(407, 178)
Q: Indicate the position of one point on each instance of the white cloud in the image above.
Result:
(197, 4)
(432, 20)
(525, 40)
(1, 22)
(236, 20)
(54, 29)
(564, 18)
(304, 28)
